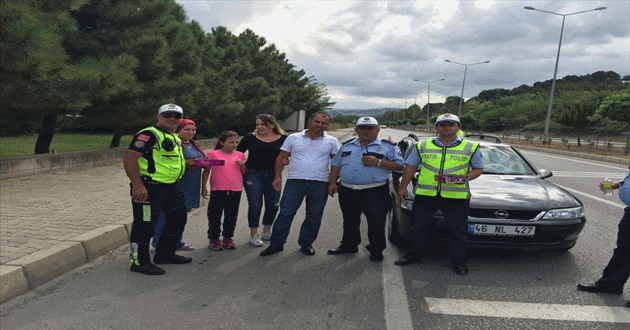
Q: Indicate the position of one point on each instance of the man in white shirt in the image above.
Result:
(308, 173)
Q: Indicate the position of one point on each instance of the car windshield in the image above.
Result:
(503, 160)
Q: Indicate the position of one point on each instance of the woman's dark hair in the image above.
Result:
(223, 137)
(268, 119)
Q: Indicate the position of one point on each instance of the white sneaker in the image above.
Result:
(265, 236)
(255, 241)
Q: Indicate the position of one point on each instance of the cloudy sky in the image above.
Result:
(368, 53)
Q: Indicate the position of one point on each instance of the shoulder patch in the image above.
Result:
(143, 137)
(148, 133)
(389, 141)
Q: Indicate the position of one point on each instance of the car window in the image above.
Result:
(503, 160)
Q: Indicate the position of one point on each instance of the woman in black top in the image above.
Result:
(263, 146)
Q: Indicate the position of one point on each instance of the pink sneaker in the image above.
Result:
(215, 244)
(229, 244)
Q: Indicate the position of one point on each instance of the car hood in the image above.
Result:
(518, 193)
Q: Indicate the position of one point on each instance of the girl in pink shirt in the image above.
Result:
(226, 185)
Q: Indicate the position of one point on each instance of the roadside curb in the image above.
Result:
(13, 282)
(25, 273)
(21, 275)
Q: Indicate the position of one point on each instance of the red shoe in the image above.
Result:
(229, 244)
(215, 244)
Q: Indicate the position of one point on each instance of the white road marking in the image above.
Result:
(505, 309)
(397, 315)
(568, 158)
(599, 199)
(599, 175)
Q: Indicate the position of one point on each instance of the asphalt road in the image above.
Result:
(240, 290)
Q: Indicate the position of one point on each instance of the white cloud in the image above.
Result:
(396, 25)
(484, 4)
(369, 52)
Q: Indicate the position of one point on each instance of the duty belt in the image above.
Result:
(364, 186)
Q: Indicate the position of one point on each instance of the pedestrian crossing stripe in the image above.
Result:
(506, 309)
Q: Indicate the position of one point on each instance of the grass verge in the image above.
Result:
(25, 145)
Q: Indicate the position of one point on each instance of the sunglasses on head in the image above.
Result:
(175, 115)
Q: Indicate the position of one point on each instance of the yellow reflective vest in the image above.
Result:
(162, 165)
(444, 160)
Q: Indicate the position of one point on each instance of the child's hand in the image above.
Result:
(240, 162)
(204, 192)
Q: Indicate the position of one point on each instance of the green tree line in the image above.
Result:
(597, 103)
(106, 66)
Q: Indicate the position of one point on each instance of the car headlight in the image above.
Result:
(407, 204)
(571, 213)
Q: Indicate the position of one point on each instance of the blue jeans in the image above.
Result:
(316, 193)
(258, 187)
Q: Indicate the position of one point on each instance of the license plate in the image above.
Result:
(499, 230)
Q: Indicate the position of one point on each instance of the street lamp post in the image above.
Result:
(394, 113)
(415, 102)
(459, 112)
(553, 82)
(429, 95)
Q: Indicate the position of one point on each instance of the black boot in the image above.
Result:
(147, 269)
(141, 261)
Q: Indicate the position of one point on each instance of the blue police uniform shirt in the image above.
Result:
(353, 171)
(624, 189)
(414, 158)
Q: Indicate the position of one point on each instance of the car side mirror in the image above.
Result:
(545, 174)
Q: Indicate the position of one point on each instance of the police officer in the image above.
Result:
(363, 166)
(445, 154)
(154, 163)
(617, 272)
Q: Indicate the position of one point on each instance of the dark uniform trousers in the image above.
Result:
(617, 271)
(455, 213)
(167, 198)
(374, 203)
